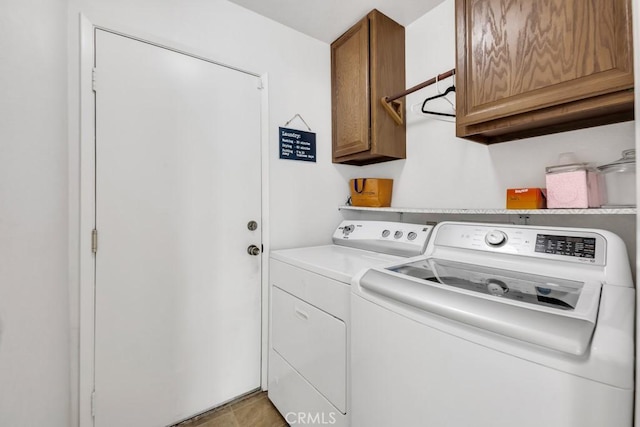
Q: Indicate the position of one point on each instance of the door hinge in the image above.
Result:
(93, 403)
(94, 241)
(93, 79)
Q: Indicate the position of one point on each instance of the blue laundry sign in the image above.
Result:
(297, 145)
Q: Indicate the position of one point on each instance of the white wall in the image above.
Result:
(442, 171)
(34, 307)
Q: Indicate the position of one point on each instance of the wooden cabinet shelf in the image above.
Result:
(367, 63)
(527, 68)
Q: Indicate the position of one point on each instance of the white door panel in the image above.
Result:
(177, 181)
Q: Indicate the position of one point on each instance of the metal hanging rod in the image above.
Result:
(422, 85)
(395, 108)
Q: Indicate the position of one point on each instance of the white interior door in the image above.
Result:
(178, 321)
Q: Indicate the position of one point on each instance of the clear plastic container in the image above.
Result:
(620, 181)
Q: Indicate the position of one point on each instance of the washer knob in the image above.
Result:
(398, 234)
(386, 233)
(495, 238)
(412, 235)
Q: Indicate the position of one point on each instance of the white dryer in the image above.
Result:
(310, 293)
(497, 326)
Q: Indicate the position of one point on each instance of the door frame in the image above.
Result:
(82, 217)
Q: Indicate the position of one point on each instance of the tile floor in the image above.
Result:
(254, 410)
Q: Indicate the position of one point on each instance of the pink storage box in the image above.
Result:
(572, 186)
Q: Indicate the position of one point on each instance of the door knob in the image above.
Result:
(253, 250)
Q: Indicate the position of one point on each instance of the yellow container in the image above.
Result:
(371, 192)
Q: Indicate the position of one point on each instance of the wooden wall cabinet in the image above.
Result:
(367, 63)
(527, 68)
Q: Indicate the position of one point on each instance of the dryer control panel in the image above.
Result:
(396, 238)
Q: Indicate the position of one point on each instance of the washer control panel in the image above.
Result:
(397, 238)
(552, 243)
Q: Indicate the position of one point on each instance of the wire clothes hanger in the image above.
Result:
(444, 94)
(395, 108)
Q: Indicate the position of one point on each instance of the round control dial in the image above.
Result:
(495, 238)
(386, 233)
(397, 234)
(412, 235)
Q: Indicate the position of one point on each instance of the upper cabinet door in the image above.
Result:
(367, 63)
(566, 60)
(350, 95)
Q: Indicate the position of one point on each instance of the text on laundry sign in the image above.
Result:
(297, 145)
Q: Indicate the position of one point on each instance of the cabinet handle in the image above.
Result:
(301, 314)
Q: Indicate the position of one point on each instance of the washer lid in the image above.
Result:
(543, 291)
(443, 288)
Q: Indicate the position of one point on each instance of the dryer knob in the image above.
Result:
(495, 238)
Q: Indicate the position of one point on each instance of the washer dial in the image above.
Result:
(495, 238)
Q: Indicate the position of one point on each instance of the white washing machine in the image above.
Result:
(497, 326)
(310, 293)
